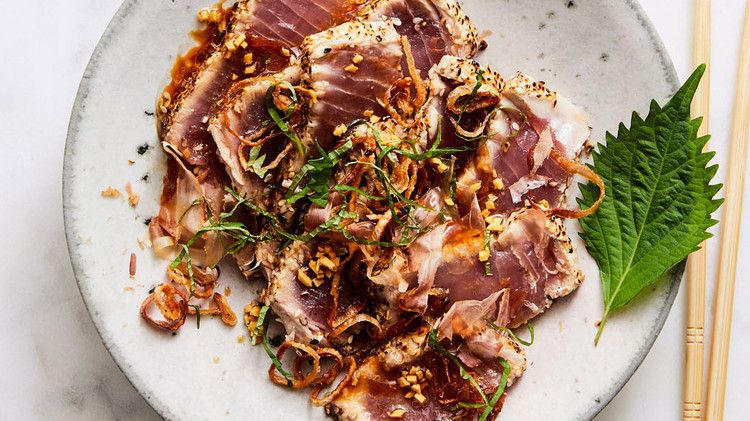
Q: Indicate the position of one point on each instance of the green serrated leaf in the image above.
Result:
(659, 198)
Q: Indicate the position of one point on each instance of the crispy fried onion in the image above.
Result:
(483, 100)
(333, 394)
(282, 100)
(398, 97)
(205, 278)
(227, 315)
(307, 353)
(172, 302)
(220, 307)
(301, 381)
(351, 321)
(574, 167)
(315, 378)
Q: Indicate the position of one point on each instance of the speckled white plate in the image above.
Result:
(602, 54)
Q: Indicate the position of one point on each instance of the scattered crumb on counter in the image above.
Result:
(133, 198)
(562, 326)
(216, 360)
(227, 291)
(132, 265)
(111, 192)
(131, 162)
(128, 289)
(241, 339)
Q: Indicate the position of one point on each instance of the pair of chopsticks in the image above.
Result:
(734, 186)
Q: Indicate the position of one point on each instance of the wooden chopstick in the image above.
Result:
(696, 274)
(734, 185)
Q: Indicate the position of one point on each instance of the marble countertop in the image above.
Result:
(53, 363)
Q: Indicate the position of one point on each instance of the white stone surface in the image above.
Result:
(52, 364)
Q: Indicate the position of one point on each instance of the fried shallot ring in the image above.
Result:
(419, 85)
(204, 278)
(481, 100)
(575, 167)
(172, 303)
(227, 315)
(400, 92)
(357, 318)
(329, 375)
(295, 383)
(352, 363)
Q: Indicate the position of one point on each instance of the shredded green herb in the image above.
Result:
(197, 309)
(499, 392)
(280, 120)
(255, 162)
(472, 95)
(488, 263)
(262, 323)
(434, 343)
(513, 335)
(318, 172)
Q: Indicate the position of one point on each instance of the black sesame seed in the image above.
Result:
(143, 148)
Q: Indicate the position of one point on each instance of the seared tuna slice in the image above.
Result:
(248, 145)
(530, 255)
(301, 291)
(290, 21)
(256, 43)
(434, 28)
(350, 68)
(383, 384)
(520, 162)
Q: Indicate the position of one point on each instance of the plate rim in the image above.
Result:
(136, 381)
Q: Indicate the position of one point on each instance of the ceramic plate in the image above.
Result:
(604, 55)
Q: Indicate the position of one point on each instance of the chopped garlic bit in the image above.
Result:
(476, 186)
(484, 255)
(357, 59)
(498, 184)
(339, 130)
(351, 68)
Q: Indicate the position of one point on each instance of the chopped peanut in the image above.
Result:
(397, 413)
